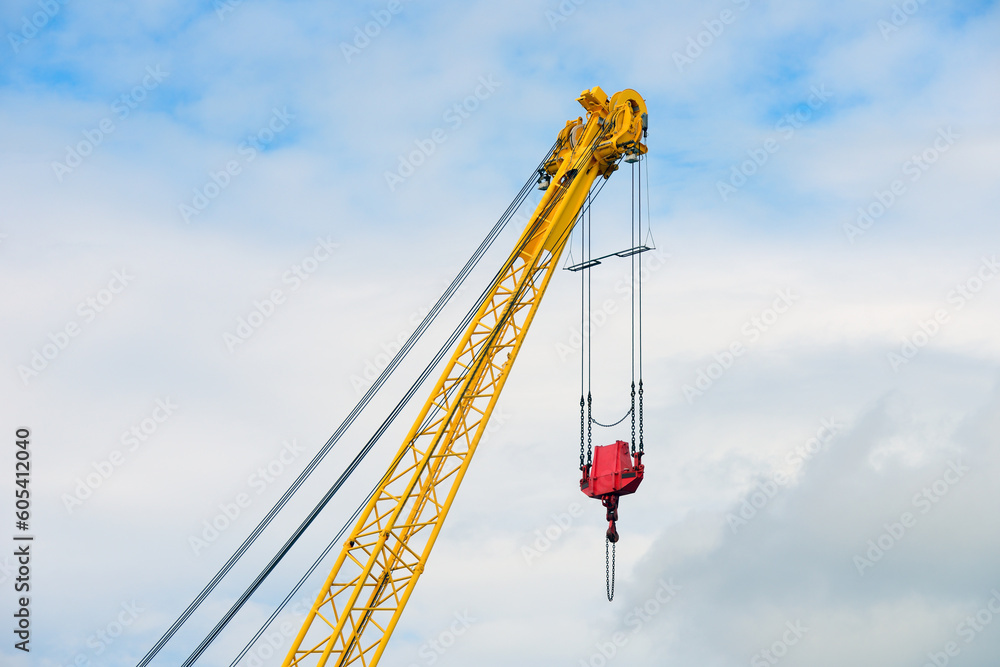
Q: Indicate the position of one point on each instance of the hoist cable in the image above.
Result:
(649, 228)
(585, 329)
(631, 292)
(590, 368)
(583, 316)
(352, 416)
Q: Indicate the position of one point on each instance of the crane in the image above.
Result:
(397, 524)
(374, 576)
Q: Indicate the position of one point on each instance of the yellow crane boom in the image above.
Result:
(361, 601)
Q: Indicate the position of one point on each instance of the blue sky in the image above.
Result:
(843, 154)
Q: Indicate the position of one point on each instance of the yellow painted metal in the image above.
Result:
(362, 599)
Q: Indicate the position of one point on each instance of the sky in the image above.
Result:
(821, 362)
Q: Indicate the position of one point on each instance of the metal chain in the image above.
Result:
(633, 419)
(581, 431)
(640, 416)
(609, 569)
(624, 417)
(590, 419)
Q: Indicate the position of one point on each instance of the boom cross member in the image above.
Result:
(361, 601)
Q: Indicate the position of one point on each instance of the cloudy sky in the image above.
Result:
(826, 497)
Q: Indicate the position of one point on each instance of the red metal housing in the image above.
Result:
(614, 473)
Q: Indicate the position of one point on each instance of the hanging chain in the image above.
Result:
(624, 417)
(640, 417)
(609, 569)
(590, 419)
(633, 419)
(581, 431)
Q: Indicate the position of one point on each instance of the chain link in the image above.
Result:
(624, 417)
(581, 431)
(590, 448)
(609, 569)
(633, 419)
(640, 416)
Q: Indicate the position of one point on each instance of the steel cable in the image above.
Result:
(352, 417)
(444, 349)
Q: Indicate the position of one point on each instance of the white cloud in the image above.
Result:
(324, 177)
